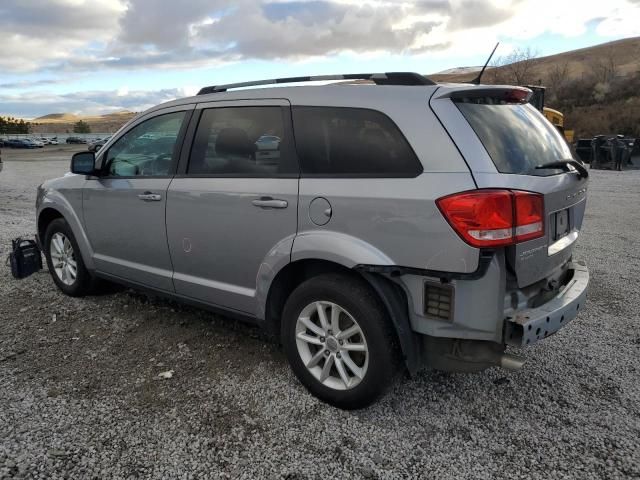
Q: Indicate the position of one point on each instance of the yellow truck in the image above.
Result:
(554, 116)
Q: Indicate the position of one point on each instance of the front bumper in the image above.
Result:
(533, 324)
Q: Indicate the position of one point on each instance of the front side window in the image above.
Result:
(241, 141)
(147, 149)
(352, 142)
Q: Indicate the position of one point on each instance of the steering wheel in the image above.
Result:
(157, 166)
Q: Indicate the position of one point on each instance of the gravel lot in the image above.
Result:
(80, 395)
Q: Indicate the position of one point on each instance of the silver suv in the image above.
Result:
(374, 228)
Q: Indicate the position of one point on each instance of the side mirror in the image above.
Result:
(83, 163)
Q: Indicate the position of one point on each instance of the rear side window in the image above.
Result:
(242, 141)
(351, 142)
(516, 136)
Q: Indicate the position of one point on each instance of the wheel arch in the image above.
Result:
(391, 295)
(48, 212)
(46, 216)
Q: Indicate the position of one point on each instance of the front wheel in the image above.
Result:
(339, 341)
(64, 260)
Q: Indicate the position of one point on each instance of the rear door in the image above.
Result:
(503, 141)
(231, 210)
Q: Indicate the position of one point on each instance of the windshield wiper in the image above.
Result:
(564, 165)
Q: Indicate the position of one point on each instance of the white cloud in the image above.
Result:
(35, 104)
(72, 35)
(59, 38)
(39, 33)
(623, 21)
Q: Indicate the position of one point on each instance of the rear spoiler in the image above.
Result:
(509, 94)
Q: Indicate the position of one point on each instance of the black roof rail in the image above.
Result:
(390, 78)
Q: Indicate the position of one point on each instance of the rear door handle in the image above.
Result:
(268, 202)
(150, 197)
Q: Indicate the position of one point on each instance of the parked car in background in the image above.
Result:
(76, 140)
(53, 141)
(268, 142)
(21, 143)
(97, 144)
(37, 142)
(13, 143)
(396, 226)
(31, 143)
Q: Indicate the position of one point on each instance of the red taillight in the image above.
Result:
(492, 218)
(529, 209)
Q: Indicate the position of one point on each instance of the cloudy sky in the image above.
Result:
(97, 56)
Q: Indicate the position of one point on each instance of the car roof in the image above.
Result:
(328, 95)
(335, 94)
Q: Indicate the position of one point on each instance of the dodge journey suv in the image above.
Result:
(374, 228)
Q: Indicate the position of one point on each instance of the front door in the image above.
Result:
(124, 209)
(233, 209)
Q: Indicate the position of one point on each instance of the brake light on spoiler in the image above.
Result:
(494, 217)
(493, 95)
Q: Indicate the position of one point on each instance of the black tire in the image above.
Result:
(83, 283)
(360, 301)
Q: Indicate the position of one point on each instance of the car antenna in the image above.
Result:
(476, 81)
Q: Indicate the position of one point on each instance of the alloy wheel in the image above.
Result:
(331, 345)
(63, 258)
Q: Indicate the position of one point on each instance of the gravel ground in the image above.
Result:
(80, 395)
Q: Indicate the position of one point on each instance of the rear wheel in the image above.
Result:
(338, 341)
(64, 260)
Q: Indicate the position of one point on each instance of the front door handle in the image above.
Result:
(150, 197)
(269, 202)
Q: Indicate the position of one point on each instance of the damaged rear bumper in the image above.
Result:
(533, 324)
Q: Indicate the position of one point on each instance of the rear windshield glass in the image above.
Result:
(517, 137)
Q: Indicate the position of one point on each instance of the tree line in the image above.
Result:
(10, 125)
(17, 126)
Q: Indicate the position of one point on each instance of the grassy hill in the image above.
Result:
(63, 122)
(57, 118)
(625, 54)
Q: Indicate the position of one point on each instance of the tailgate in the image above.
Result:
(504, 140)
(564, 205)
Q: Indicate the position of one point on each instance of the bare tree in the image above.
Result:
(605, 68)
(518, 65)
(557, 79)
(495, 72)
